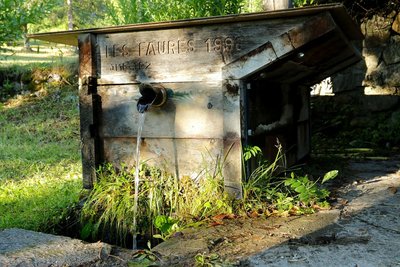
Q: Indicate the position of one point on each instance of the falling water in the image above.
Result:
(136, 193)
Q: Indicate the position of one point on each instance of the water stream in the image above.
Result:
(136, 193)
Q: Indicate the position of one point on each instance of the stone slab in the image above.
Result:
(26, 248)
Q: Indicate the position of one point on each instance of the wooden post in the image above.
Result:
(90, 109)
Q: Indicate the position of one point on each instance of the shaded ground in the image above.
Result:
(361, 230)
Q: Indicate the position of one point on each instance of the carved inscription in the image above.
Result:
(224, 45)
(130, 66)
(166, 47)
(143, 49)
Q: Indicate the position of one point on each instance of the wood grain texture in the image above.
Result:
(182, 55)
(87, 68)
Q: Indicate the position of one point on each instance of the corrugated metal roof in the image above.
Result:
(338, 11)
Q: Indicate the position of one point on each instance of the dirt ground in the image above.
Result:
(362, 229)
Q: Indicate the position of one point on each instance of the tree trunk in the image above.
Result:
(139, 9)
(27, 45)
(70, 17)
(276, 4)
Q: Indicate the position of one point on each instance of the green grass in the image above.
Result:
(41, 53)
(40, 166)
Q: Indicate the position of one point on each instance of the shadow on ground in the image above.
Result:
(361, 230)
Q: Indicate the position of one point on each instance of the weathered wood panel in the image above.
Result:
(182, 157)
(258, 59)
(199, 124)
(232, 137)
(193, 110)
(182, 55)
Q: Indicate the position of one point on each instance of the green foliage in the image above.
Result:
(122, 12)
(251, 152)
(166, 225)
(358, 9)
(203, 260)
(15, 15)
(134, 11)
(143, 258)
(268, 190)
(306, 191)
(363, 135)
(301, 3)
(86, 13)
(9, 21)
(252, 6)
(384, 128)
(329, 176)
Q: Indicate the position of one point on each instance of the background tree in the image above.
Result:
(31, 12)
(276, 4)
(10, 25)
(16, 15)
(121, 12)
(70, 15)
(89, 13)
(80, 13)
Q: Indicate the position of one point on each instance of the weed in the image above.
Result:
(165, 225)
(251, 152)
(307, 192)
(143, 258)
(267, 189)
(203, 260)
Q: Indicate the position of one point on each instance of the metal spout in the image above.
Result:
(154, 96)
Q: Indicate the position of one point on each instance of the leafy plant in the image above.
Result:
(7, 89)
(251, 152)
(268, 190)
(143, 258)
(307, 191)
(203, 260)
(257, 187)
(166, 225)
(134, 11)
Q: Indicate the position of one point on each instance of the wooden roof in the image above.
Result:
(338, 12)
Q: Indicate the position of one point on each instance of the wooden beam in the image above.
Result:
(277, 47)
(88, 108)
